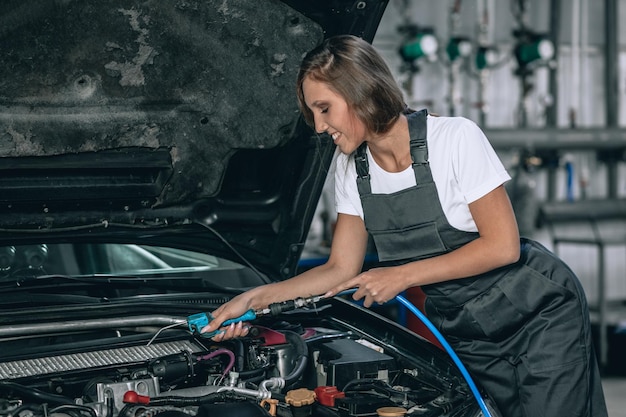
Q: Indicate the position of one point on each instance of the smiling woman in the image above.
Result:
(332, 115)
(430, 193)
(366, 76)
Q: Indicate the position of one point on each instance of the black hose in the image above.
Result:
(254, 374)
(357, 384)
(302, 352)
(239, 354)
(35, 394)
(190, 401)
(329, 336)
(184, 401)
(67, 408)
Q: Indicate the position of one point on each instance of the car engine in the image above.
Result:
(144, 366)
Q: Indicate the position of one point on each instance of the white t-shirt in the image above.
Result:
(463, 163)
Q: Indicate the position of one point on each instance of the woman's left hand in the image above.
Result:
(378, 285)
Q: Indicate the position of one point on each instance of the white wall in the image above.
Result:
(586, 97)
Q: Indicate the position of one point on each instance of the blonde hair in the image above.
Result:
(355, 70)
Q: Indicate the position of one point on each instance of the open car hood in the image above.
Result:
(165, 121)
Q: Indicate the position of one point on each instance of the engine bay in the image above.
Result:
(293, 365)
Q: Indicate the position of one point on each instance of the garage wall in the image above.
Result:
(580, 65)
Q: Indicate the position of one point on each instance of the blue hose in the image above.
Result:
(445, 345)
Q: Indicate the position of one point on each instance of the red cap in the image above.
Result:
(326, 395)
(131, 397)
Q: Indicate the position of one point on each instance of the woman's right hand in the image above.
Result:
(234, 308)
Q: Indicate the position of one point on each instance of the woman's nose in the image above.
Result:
(320, 127)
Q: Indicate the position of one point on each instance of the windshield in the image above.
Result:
(108, 259)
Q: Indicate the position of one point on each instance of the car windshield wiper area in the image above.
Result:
(109, 286)
(30, 279)
(9, 300)
(56, 291)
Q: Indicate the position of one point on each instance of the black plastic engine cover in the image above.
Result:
(346, 360)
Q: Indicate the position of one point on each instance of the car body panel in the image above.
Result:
(174, 113)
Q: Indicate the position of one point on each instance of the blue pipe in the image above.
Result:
(446, 346)
(569, 188)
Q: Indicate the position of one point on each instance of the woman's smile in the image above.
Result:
(332, 115)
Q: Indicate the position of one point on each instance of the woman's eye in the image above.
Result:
(325, 110)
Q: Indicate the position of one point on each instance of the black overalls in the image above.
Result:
(522, 330)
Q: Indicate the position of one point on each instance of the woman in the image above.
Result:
(429, 190)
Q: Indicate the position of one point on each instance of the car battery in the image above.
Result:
(343, 360)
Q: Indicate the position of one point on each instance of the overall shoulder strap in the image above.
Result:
(419, 147)
(362, 170)
(417, 132)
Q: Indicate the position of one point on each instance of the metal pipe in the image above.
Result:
(575, 65)
(611, 83)
(264, 391)
(612, 171)
(81, 325)
(555, 27)
(485, 18)
(611, 62)
(583, 117)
